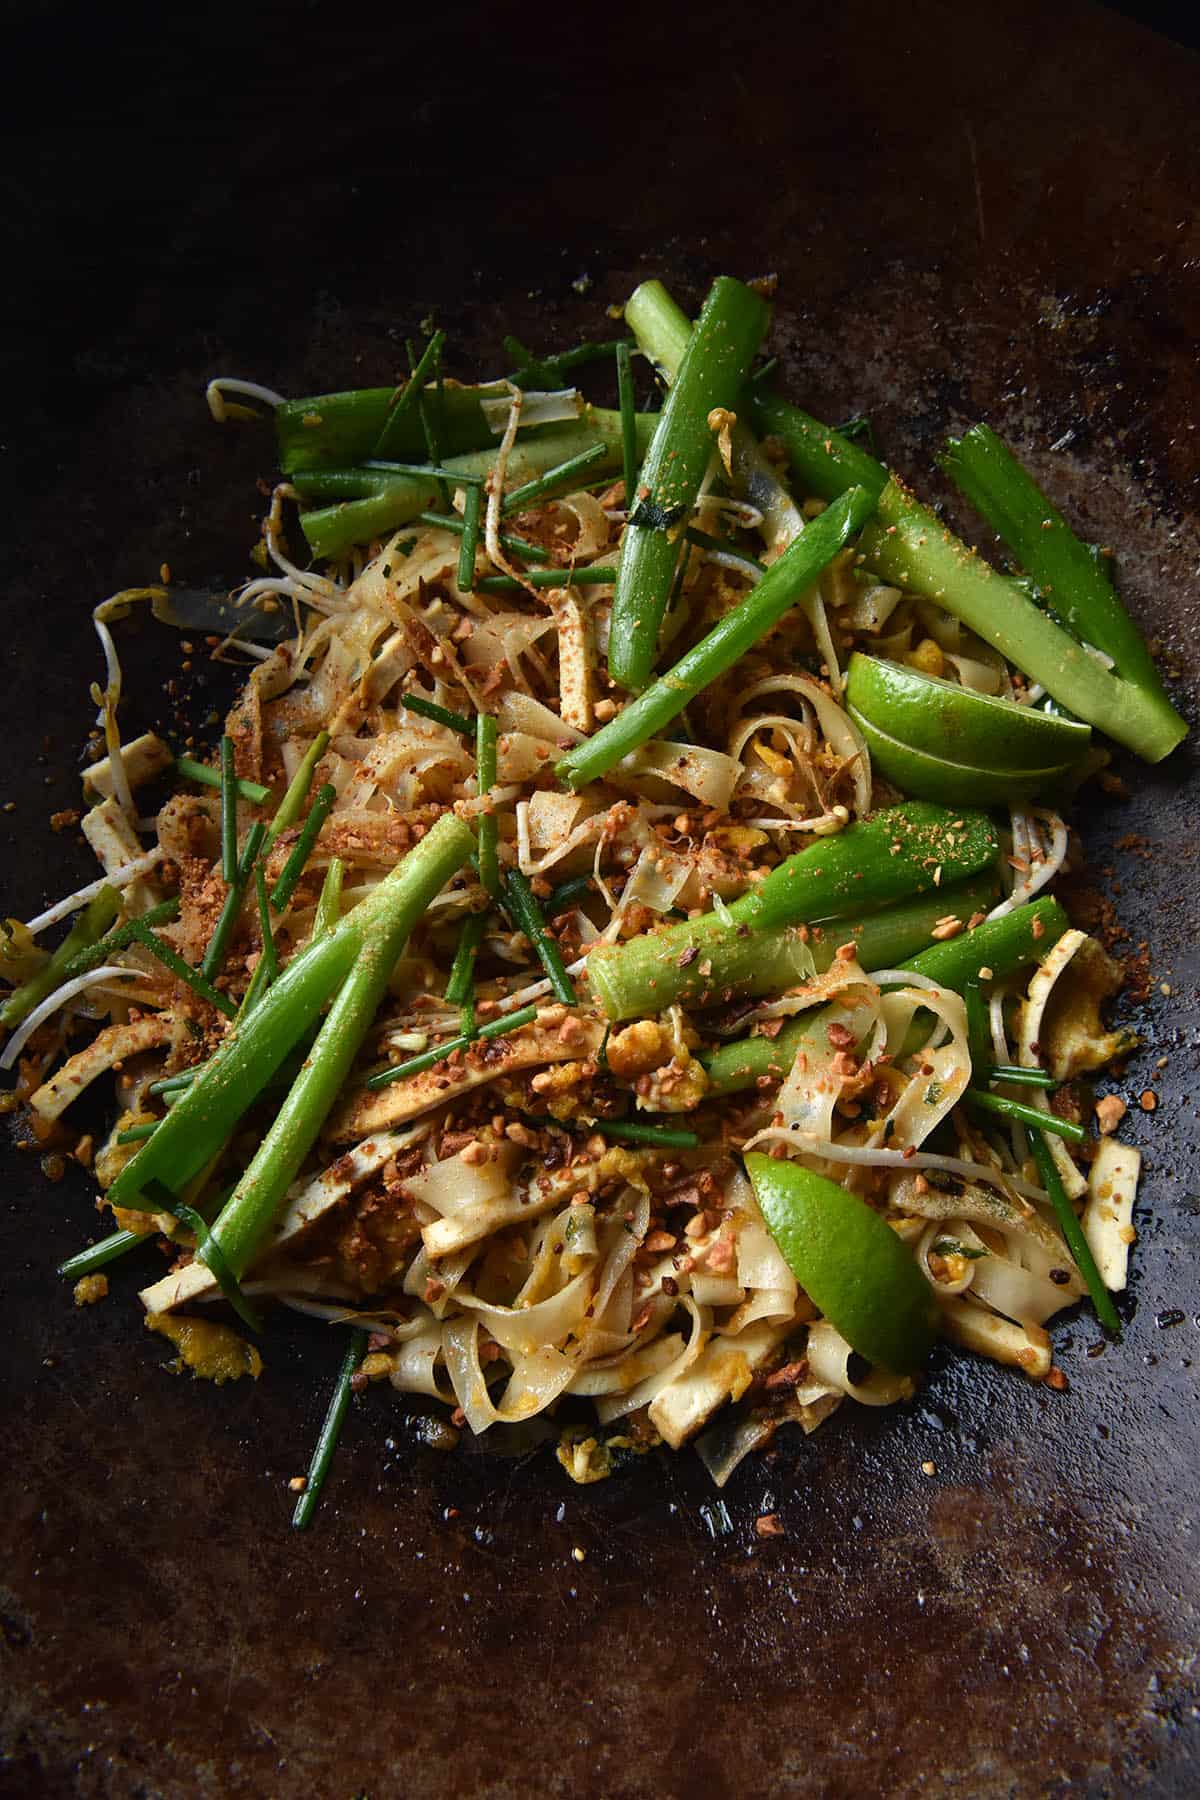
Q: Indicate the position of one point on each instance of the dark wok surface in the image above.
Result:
(990, 214)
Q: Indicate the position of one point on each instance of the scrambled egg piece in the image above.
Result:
(212, 1351)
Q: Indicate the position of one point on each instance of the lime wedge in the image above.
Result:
(949, 722)
(849, 1263)
(926, 777)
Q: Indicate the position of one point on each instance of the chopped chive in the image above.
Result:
(1021, 1077)
(541, 485)
(488, 832)
(208, 1249)
(1071, 1229)
(329, 906)
(428, 427)
(292, 804)
(979, 1035)
(191, 770)
(250, 851)
(214, 956)
(441, 715)
(425, 472)
(550, 371)
(519, 546)
(567, 893)
(406, 397)
(173, 1084)
(293, 868)
(627, 403)
(468, 549)
(229, 800)
(462, 970)
(705, 541)
(500, 1027)
(1024, 1115)
(120, 939)
(858, 427)
(331, 1431)
(545, 578)
(137, 1134)
(270, 955)
(98, 1256)
(668, 1135)
(526, 915)
(183, 971)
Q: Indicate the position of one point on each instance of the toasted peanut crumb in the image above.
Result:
(1109, 1113)
(1148, 1100)
(929, 1468)
(90, 1289)
(768, 1525)
(298, 1483)
(1057, 1380)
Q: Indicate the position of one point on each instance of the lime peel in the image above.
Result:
(849, 1262)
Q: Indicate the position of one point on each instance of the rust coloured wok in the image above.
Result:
(974, 212)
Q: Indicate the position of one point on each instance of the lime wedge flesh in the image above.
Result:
(947, 721)
(849, 1263)
(925, 777)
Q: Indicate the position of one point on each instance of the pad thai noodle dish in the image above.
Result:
(609, 965)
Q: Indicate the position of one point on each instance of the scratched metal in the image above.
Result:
(973, 211)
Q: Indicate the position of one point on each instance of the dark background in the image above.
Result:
(975, 211)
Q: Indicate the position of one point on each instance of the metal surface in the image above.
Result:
(974, 212)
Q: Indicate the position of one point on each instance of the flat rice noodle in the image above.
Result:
(981, 1205)
(450, 1273)
(813, 1085)
(522, 756)
(976, 1328)
(632, 1368)
(552, 817)
(656, 880)
(547, 1254)
(837, 728)
(829, 1356)
(1017, 1293)
(926, 1099)
(736, 1435)
(1108, 1215)
(870, 609)
(546, 1191)
(521, 712)
(760, 1262)
(414, 1367)
(593, 530)
(1031, 1016)
(524, 1329)
(453, 1186)
(617, 1406)
(392, 663)
(535, 1383)
(708, 775)
(962, 1234)
(722, 1372)
(716, 1290)
(978, 674)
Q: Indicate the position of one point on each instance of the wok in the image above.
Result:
(980, 211)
